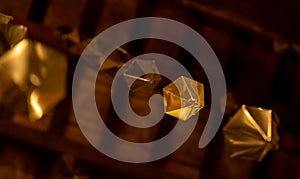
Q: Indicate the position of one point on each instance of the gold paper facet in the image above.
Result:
(10, 35)
(145, 83)
(39, 74)
(183, 98)
(114, 62)
(111, 64)
(251, 133)
(5, 19)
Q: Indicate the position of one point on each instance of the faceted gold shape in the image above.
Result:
(10, 35)
(5, 19)
(114, 62)
(38, 72)
(111, 64)
(251, 133)
(143, 83)
(183, 98)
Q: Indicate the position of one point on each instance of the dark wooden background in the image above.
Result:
(242, 34)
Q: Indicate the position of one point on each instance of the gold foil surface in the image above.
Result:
(10, 35)
(183, 98)
(145, 83)
(33, 77)
(251, 133)
(5, 19)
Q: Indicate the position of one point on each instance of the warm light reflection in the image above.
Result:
(35, 80)
(37, 110)
(20, 47)
(28, 73)
(16, 62)
(137, 78)
(40, 50)
(183, 98)
(251, 133)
